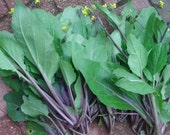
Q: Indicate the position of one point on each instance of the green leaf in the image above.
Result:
(135, 86)
(68, 72)
(157, 58)
(122, 73)
(148, 40)
(38, 47)
(51, 23)
(78, 93)
(98, 78)
(159, 29)
(35, 129)
(116, 36)
(165, 114)
(138, 56)
(13, 82)
(10, 53)
(8, 65)
(14, 101)
(69, 15)
(95, 49)
(34, 108)
(95, 76)
(40, 127)
(77, 38)
(166, 74)
(145, 14)
(167, 91)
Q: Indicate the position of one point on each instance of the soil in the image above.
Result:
(7, 127)
(165, 11)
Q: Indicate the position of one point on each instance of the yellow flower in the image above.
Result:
(105, 5)
(86, 8)
(37, 1)
(161, 4)
(11, 11)
(92, 18)
(64, 28)
(94, 6)
(113, 5)
(86, 11)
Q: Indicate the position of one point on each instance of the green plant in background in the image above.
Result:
(66, 70)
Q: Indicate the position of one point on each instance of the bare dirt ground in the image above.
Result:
(7, 127)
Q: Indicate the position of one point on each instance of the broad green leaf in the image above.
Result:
(39, 127)
(38, 47)
(145, 14)
(95, 49)
(85, 27)
(135, 86)
(165, 114)
(98, 78)
(34, 108)
(10, 53)
(8, 65)
(77, 38)
(51, 23)
(159, 29)
(66, 48)
(148, 40)
(69, 15)
(67, 72)
(35, 129)
(79, 27)
(95, 76)
(157, 58)
(138, 55)
(14, 101)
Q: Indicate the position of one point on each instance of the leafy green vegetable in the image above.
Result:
(37, 47)
(34, 129)
(137, 60)
(67, 69)
(140, 87)
(34, 108)
(68, 72)
(157, 58)
(14, 102)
